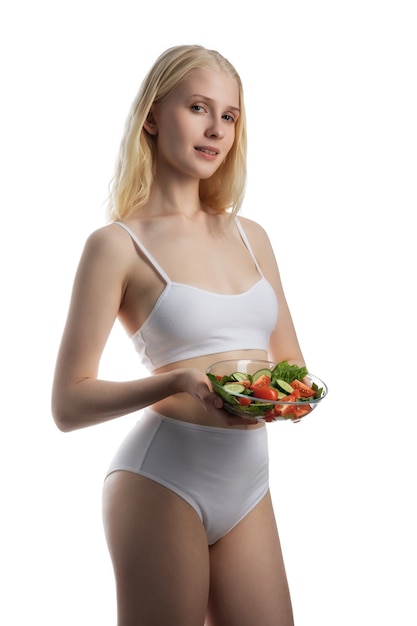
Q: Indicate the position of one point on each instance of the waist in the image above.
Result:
(151, 413)
(184, 407)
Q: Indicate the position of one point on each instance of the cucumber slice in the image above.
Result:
(238, 376)
(227, 397)
(260, 373)
(284, 386)
(234, 387)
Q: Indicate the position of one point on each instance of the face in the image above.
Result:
(195, 125)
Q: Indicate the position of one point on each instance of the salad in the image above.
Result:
(284, 391)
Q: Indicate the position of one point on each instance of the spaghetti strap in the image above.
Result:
(145, 252)
(247, 244)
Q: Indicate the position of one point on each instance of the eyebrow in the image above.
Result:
(200, 95)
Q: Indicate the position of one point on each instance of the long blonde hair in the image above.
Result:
(131, 185)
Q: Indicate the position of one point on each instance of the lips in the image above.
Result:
(207, 150)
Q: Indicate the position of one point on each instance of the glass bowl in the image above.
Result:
(232, 379)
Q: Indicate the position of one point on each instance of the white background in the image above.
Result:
(331, 98)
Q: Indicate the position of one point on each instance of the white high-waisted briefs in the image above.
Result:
(221, 472)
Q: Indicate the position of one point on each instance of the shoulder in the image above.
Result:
(254, 231)
(110, 241)
(261, 247)
(108, 250)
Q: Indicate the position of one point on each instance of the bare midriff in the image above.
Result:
(184, 407)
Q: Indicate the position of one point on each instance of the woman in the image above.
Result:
(186, 504)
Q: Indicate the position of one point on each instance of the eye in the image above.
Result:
(228, 117)
(198, 108)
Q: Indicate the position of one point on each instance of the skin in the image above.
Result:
(165, 572)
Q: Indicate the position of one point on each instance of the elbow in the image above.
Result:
(65, 407)
(62, 416)
(62, 422)
(63, 425)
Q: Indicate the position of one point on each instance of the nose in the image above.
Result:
(215, 129)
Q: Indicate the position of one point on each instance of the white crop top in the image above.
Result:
(188, 322)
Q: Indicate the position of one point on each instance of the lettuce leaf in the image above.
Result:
(287, 372)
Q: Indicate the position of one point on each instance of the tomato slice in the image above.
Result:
(296, 411)
(304, 389)
(285, 409)
(244, 401)
(300, 410)
(265, 393)
(292, 397)
(262, 381)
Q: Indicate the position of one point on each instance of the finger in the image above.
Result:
(209, 397)
(214, 404)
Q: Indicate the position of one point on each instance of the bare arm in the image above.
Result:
(79, 398)
(284, 345)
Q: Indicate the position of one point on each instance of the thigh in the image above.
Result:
(159, 551)
(248, 581)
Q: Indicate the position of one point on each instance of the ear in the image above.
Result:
(150, 123)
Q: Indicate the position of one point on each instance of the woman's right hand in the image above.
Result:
(198, 385)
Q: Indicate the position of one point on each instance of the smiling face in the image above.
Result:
(195, 125)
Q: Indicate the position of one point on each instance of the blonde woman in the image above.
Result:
(186, 503)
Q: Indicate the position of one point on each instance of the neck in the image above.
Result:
(176, 198)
